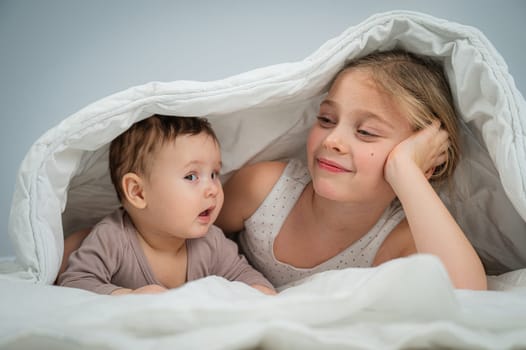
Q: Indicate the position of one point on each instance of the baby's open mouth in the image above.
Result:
(206, 212)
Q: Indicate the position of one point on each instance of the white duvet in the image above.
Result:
(63, 185)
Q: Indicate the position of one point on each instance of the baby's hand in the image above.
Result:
(148, 289)
(264, 289)
(426, 149)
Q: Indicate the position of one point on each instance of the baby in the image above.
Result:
(165, 171)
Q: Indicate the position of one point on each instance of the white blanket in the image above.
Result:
(406, 303)
(63, 185)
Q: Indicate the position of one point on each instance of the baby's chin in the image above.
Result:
(201, 230)
(198, 233)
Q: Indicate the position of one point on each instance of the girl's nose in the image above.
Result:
(335, 142)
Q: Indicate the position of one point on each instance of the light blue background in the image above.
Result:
(57, 56)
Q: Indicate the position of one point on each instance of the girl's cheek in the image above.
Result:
(374, 157)
(312, 141)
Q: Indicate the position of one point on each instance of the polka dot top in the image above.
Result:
(261, 229)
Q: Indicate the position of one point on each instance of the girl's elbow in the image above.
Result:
(473, 284)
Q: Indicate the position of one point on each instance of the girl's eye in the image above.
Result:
(325, 121)
(365, 133)
(215, 175)
(191, 177)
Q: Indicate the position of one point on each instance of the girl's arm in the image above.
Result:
(433, 228)
(72, 243)
(244, 193)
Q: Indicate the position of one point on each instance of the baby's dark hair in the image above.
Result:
(134, 150)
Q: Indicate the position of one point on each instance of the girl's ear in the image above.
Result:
(133, 188)
(429, 173)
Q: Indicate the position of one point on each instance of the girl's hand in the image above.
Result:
(426, 149)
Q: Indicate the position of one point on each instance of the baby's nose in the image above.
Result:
(212, 188)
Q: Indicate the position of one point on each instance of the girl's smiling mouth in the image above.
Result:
(331, 166)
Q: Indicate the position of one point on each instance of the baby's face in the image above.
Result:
(183, 192)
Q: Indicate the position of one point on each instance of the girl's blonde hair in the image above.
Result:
(134, 150)
(419, 85)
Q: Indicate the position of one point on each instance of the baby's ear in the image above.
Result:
(133, 188)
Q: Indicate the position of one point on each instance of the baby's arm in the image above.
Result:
(93, 264)
(244, 193)
(433, 228)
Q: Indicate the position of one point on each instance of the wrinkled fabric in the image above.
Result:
(404, 303)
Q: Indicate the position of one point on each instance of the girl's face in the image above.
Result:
(184, 194)
(357, 127)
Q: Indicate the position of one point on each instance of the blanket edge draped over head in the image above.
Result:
(63, 183)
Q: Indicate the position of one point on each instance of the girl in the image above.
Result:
(386, 127)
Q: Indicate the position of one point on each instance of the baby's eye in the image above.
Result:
(215, 175)
(191, 177)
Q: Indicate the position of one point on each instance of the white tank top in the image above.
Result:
(261, 229)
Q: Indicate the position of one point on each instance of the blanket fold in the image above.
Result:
(63, 182)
